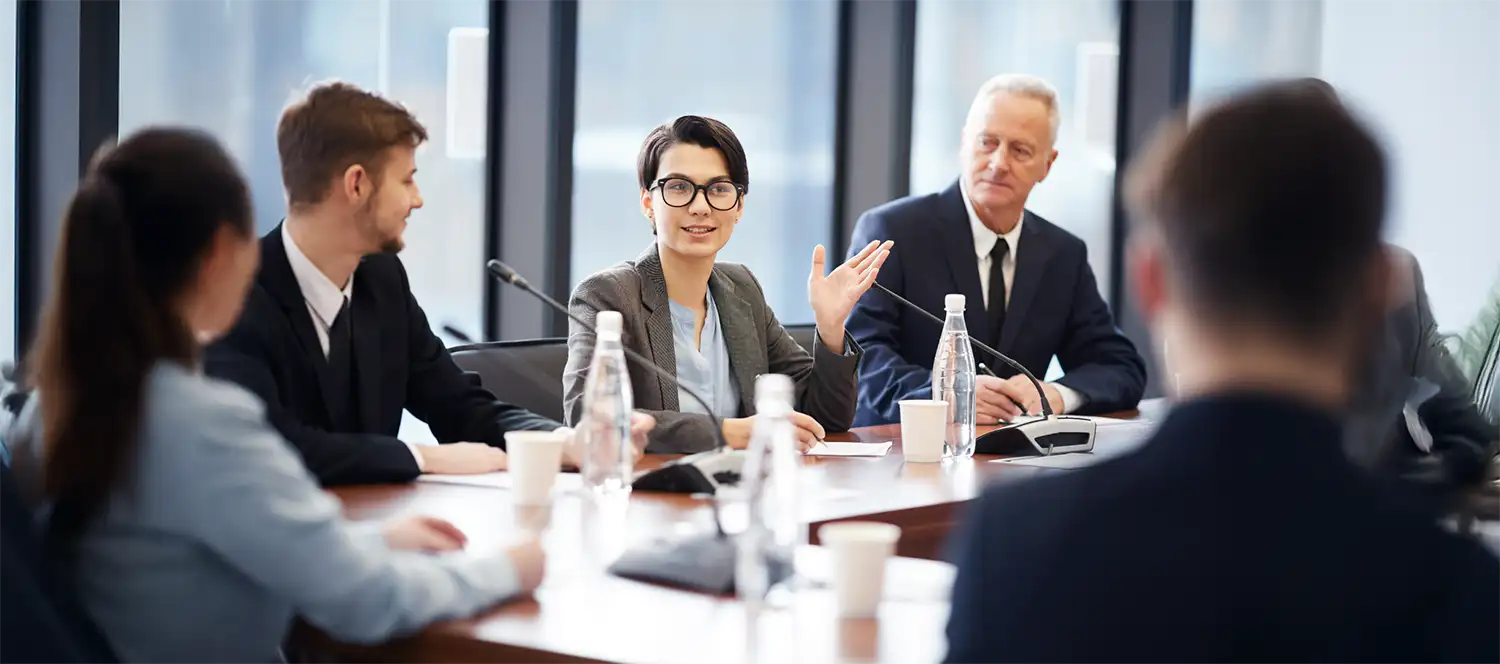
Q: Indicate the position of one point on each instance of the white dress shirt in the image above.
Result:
(324, 300)
(984, 243)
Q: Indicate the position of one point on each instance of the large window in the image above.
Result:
(1075, 46)
(1426, 75)
(8, 178)
(230, 66)
(1240, 42)
(764, 68)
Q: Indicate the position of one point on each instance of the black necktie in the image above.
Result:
(345, 410)
(995, 307)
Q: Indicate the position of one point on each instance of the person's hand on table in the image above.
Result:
(461, 459)
(641, 425)
(993, 403)
(423, 533)
(530, 562)
(809, 433)
(1001, 400)
(1023, 392)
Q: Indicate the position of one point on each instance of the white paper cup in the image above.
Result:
(860, 550)
(534, 459)
(923, 425)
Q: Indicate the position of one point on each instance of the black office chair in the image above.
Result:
(804, 334)
(525, 373)
(41, 620)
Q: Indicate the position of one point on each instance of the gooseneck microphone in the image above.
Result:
(1052, 433)
(1046, 407)
(703, 563)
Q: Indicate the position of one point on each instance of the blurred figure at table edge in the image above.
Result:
(1240, 530)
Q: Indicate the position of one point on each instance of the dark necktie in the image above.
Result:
(344, 411)
(995, 307)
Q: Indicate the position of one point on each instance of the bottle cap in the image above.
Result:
(609, 322)
(776, 386)
(954, 302)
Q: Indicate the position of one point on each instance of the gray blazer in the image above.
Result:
(1409, 353)
(219, 535)
(827, 383)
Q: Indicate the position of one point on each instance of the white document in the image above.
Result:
(494, 480)
(500, 480)
(1066, 461)
(850, 449)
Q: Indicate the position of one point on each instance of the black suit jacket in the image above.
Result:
(1241, 532)
(274, 352)
(1054, 310)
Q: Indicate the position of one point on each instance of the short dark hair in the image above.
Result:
(334, 126)
(694, 130)
(1270, 204)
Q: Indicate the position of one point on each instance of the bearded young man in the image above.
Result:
(331, 337)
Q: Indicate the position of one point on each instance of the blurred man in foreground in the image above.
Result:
(1240, 531)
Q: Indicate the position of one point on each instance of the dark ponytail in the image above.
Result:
(135, 234)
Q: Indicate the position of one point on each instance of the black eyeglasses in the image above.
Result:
(721, 195)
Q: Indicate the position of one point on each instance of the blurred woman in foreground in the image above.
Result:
(189, 528)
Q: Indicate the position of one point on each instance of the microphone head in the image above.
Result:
(504, 273)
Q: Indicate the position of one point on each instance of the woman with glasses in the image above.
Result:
(708, 322)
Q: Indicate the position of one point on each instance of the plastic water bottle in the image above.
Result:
(766, 550)
(953, 379)
(604, 429)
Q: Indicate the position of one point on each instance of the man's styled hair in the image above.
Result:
(333, 126)
(1270, 206)
(694, 130)
(1017, 85)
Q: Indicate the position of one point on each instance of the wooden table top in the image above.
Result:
(583, 613)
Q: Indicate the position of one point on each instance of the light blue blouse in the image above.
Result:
(704, 369)
(223, 536)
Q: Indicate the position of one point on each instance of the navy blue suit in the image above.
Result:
(1054, 310)
(1239, 532)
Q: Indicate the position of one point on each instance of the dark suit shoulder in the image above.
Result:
(894, 217)
(1060, 237)
(384, 269)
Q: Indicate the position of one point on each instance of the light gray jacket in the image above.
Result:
(827, 383)
(219, 536)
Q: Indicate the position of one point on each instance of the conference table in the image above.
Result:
(582, 613)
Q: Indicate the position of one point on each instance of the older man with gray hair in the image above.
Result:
(1029, 288)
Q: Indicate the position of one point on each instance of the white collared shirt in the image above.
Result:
(324, 300)
(984, 243)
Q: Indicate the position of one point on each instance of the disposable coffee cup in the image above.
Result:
(860, 550)
(534, 460)
(923, 425)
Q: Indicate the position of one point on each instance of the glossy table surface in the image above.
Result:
(583, 613)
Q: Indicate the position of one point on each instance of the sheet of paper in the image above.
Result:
(501, 480)
(494, 480)
(1068, 461)
(850, 449)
